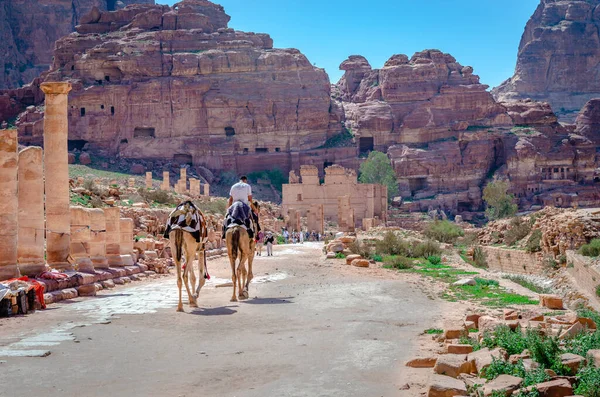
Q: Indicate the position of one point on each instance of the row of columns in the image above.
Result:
(196, 188)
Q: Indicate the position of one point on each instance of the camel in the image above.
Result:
(240, 244)
(184, 218)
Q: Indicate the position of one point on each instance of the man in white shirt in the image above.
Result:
(241, 191)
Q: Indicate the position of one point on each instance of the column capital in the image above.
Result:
(56, 87)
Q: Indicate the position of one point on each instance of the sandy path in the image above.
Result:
(311, 328)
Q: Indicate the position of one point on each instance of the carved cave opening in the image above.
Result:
(144, 132)
(416, 184)
(182, 158)
(76, 144)
(366, 144)
(229, 131)
(261, 150)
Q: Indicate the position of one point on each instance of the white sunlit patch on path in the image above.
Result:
(140, 299)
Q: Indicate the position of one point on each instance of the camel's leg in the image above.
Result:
(189, 268)
(179, 282)
(233, 277)
(201, 272)
(241, 276)
(250, 275)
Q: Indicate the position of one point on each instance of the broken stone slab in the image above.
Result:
(472, 381)
(69, 293)
(331, 255)
(455, 332)
(465, 281)
(552, 302)
(108, 283)
(360, 263)
(460, 349)
(510, 315)
(572, 361)
(453, 365)
(594, 358)
(445, 386)
(488, 323)
(503, 384)
(483, 358)
(470, 325)
(425, 362)
(573, 331)
(24, 353)
(554, 388)
(351, 258)
(118, 281)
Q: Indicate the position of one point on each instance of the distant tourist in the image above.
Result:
(269, 240)
(259, 243)
(301, 237)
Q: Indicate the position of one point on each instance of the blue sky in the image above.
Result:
(484, 34)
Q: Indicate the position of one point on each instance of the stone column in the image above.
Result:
(56, 131)
(126, 236)
(165, 183)
(345, 213)
(194, 187)
(148, 180)
(30, 247)
(80, 239)
(98, 238)
(8, 204)
(315, 221)
(206, 189)
(113, 237)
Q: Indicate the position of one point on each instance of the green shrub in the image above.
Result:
(591, 249)
(465, 340)
(339, 255)
(545, 351)
(524, 282)
(534, 243)
(517, 232)
(598, 291)
(582, 343)
(480, 258)
(509, 340)
(156, 196)
(500, 367)
(377, 258)
(391, 245)
(426, 249)
(398, 262)
(486, 283)
(444, 231)
(588, 382)
(360, 248)
(280, 239)
(435, 260)
(434, 331)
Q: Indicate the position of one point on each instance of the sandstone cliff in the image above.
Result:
(559, 57)
(29, 29)
(447, 137)
(159, 82)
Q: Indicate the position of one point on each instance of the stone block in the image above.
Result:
(86, 290)
(503, 384)
(425, 362)
(483, 358)
(460, 349)
(552, 302)
(488, 323)
(445, 386)
(573, 361)
(360, 263)
(573, 331)
(455, 332)
(351, 258)
(452, 365)
(554, 388)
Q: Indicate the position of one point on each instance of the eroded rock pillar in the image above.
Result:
(8, 204)
(56, 130)
(30, 244)
(80, 239)
(113, 237)
(98, 239)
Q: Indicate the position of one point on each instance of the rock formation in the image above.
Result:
(559, 57)
(447, 137)
(155, 82)
(28, 30)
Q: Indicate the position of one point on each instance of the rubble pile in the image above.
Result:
(460, 368)
(562, 229)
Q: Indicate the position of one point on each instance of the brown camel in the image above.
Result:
(183, 241)
(240, 244)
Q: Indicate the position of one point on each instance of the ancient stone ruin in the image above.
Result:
(340, 198)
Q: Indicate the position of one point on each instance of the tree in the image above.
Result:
(378, 169)
(499, 201)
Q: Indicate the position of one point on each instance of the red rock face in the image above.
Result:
(559, 57)
(154, 82)
(28, 30)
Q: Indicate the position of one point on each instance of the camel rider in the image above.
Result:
(240, 192)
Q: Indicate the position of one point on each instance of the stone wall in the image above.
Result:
(513, 261)
(586, 271)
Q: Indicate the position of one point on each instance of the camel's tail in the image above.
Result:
(178, 244)
(235, 242)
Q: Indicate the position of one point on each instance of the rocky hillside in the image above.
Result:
(159, 82)
(559, 57)
(447, 137)
(29, 29)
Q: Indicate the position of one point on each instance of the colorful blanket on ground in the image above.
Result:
(188, 218)
(37, 287)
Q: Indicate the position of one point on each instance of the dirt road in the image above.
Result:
(310, 328)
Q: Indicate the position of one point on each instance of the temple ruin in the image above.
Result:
(340, 198)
